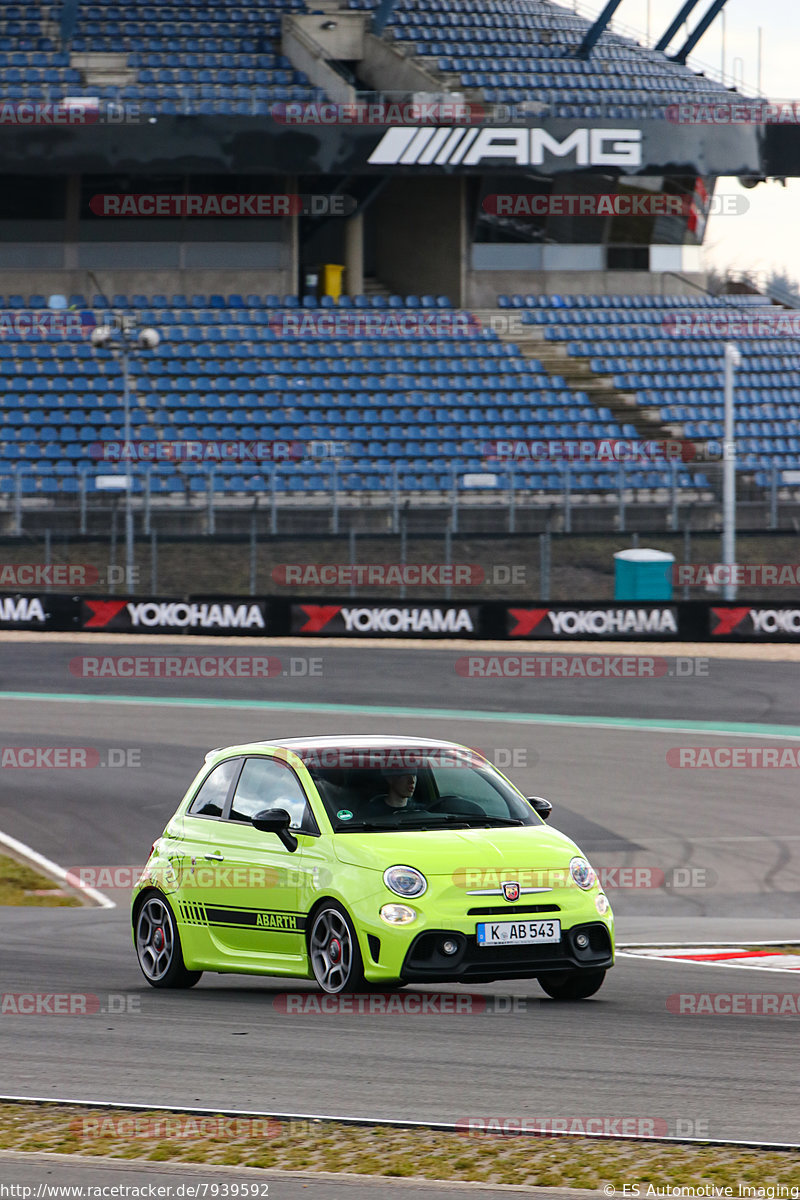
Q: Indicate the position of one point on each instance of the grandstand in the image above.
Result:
(166, 58)
(591, 356)
(528, 59)
(204, 57)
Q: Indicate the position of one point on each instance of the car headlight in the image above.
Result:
(405, 881)
(398, 914)
(582, 873)
(601, 904)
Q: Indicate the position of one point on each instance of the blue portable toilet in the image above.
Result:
(643, 574)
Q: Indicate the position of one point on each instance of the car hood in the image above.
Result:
(449, 851)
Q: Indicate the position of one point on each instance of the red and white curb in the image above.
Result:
(759, 956)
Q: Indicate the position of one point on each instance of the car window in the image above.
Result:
(265, 783)
(210, 800)
(469, 792)
(476, 787)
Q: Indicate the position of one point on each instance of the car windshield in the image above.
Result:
(413, 789)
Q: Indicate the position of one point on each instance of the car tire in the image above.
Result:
(572, 985)
(158, 945)
(333, 950)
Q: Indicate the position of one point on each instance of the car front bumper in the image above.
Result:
(425, 961)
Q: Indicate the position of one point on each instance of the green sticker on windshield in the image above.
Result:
(344, 814)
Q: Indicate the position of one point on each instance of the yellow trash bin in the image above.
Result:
(332, 279)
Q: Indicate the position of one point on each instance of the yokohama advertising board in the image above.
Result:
(44, 612)
(754, 622)
(220, 615)
(380, 619)
(606, 621)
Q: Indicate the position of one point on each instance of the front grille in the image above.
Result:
(425, 959)
(512, 912)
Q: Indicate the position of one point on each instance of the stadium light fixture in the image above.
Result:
(121, 343)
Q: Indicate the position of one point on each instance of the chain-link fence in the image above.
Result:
(545, 566)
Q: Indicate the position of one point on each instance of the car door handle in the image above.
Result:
(215, 857)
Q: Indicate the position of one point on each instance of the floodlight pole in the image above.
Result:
(732, 360)
(120, 348)
(128, 477)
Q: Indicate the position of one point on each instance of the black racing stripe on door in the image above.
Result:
(256, 918)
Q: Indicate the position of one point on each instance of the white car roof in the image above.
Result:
(369, 741)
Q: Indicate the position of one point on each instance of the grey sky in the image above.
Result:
(766, 237)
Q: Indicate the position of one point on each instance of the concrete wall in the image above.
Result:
(386, 70)
(420, 236)
(44, 282)
(344, 43)
(483, 287)
(307, 47)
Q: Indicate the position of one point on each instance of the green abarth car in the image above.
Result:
(368, 862)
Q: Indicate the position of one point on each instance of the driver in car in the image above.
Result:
(399, 796)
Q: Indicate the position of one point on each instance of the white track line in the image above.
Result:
(51, 868)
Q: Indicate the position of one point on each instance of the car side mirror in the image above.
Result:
(277, 821)
(543, 807)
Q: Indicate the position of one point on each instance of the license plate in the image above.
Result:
(515, 933)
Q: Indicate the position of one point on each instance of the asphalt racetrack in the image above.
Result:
(716, 852)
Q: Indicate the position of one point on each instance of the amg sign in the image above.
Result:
(427, 146)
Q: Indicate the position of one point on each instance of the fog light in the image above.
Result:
(582, 941)
(398, 914)
(449, 947)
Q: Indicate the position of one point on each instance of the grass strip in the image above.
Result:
(21, 885)
(380, 1150)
